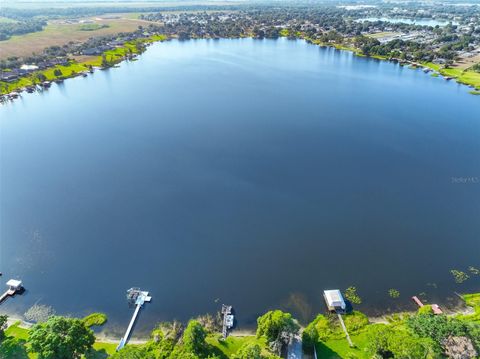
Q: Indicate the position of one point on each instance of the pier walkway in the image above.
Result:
(345, 330)
(140, 298)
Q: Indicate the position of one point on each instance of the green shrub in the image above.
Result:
(194, 338)
(248, 351)
(274, 323)
(425, 310)
(355, 321)
(133, 352)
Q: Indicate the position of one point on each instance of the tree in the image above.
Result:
(386, 342)
(437, 327)
(133, 352)
(3, 325)
(57, 72)
(104, 61)
(40, 77)
(13, 348)
(378, 340)
(277, 327)
(61, 338)
(310, 335)
(194, 338)
(249, 351)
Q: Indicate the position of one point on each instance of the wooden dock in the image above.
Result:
(435, 307)
(140, 297)
(8, 293)
(228, 319)
(14, 287)
(418, 301)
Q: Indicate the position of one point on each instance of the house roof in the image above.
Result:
(14, 283)
(334, 298)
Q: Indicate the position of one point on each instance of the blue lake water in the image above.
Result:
(255, 173)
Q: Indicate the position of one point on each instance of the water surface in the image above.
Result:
(248, 172)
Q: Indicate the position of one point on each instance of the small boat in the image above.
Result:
(47, 84)
(84, 74)
(448, 78)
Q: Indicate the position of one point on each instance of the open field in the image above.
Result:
(60, 33)
(382, 34)
(465, 63)
(6, 20)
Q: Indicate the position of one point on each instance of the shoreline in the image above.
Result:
(102, 337)
(129, 51)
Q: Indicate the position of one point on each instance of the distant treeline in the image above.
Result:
(7, 29)
(22, 14)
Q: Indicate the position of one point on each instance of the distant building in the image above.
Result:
(29, 67)
(8, 76)
(439, 61)
(334, 300)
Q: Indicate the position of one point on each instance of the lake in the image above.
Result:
(249, 172)
(423, 22)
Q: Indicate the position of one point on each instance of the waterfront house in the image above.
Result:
(8, 76)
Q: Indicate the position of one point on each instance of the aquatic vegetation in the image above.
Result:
(459, 276)
(39, 313)
(471, 269)
(352, 296)
(393, 293)
(94, 319)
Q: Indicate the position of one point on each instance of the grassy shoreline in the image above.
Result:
(131, 49)
(333, 346)
(109, 58)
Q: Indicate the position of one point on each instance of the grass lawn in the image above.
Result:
(91, 27)
(102, 350)
(464, 76)
(472, 300)
(15, 331)
(232, 344)
(339, 348)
